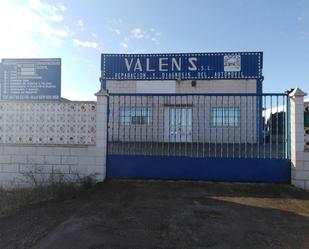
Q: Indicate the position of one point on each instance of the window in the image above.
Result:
(138, 116)
(225, 116)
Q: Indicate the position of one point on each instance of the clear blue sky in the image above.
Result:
(79, 31)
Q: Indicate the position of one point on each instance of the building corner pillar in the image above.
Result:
(101, 131)
(299, 171)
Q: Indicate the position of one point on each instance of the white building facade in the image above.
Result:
(214, 99)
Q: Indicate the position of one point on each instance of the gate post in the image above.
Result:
(101, 129)
(299, 162)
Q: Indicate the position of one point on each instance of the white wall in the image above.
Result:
(299, 156)
(42, 122)
(202, 129)
(66, 138)
(184, 86)
(168, 86)
(16, 161)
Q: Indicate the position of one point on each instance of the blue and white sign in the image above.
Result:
(188, 66)
(30, 79)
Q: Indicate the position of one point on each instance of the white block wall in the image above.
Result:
(67, 138)
(299, 157)
(17, 160)
(42, 122)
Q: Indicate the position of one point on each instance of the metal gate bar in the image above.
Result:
(199, 125)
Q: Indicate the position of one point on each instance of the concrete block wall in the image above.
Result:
(300, 171)
(17, 161)
(47, 122)
(299, 157)
(73, 159)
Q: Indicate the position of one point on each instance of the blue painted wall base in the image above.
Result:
(188, 168)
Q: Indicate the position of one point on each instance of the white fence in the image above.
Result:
(51, 137)
(48, 122)
(70, 137)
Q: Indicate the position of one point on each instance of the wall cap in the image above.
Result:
(297, 92)
(102, 92)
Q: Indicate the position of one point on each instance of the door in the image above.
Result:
(178, 125)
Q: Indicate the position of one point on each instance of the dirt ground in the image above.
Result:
(165, 214)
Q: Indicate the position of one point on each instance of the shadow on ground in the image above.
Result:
(166, 214)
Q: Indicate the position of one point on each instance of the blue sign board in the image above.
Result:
(30, 79)
(187, 66)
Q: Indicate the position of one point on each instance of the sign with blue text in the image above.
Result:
(187, 66)
(30, 79)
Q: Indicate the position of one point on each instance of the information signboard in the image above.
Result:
(30, 79)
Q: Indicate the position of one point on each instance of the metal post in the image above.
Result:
(103, 84)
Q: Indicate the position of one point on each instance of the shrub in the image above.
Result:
(38, 186)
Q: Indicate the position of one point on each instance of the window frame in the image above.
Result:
(135, 113)
(236, 114)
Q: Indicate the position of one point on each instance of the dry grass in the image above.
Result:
(42, 188)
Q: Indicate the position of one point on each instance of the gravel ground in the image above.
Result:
(165, 214)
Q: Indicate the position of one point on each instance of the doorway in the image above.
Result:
(178, 124)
